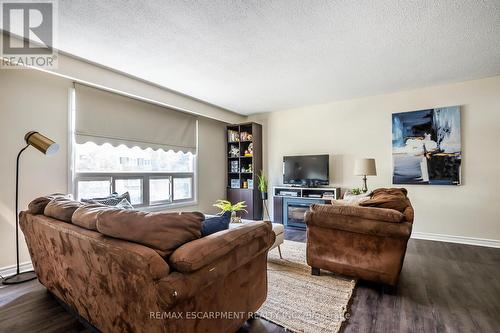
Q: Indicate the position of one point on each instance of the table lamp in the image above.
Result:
(48, 147)
(365, 167)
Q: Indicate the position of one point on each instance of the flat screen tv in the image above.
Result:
(307, 170)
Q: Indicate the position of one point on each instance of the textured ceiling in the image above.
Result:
(257, 56)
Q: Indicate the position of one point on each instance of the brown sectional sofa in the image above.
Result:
(178, 283)
(367, 241)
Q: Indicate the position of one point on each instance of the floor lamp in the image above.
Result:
(48, 147)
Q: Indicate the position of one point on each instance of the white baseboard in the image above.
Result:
(456, 239)
(11, 270)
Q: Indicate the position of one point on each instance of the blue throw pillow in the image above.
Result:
(216, 224)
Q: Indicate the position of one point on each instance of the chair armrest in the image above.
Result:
(201, 252)
(364, 220)
(371, 213)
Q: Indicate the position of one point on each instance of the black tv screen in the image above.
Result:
(308, 170)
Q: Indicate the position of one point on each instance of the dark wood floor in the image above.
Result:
(444, 287)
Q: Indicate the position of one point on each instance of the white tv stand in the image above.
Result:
(291, 203)
(318, 193)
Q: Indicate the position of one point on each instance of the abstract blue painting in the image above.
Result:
(426, 147)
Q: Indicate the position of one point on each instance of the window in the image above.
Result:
(152, 177)
(94, 188)
(131, 185)
(159, 190)
(183, 188)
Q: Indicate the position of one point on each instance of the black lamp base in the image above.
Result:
(20, 278)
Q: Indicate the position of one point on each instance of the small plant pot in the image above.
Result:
(235, 218)
(263, 195)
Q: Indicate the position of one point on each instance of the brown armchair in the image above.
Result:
(363, 242)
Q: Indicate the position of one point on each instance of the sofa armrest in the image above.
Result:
(200, 263)
(196, 254)
(364, 220)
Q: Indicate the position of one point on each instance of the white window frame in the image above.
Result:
(145, 177)
(74, 177)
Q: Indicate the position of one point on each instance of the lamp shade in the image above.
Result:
(42, 143)
(365, 167)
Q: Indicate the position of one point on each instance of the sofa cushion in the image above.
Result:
(350, 201)
(37, 206)
(163, 232)
(61, 208)
(391, 198)
(215, 224)
(85, 216)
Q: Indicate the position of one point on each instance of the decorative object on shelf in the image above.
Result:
(235, 166)
(47, 147)
(249, 150)
(262, 185)
(234, 151)
(355, 191)
(426, 147)
(245, 184)
(250, 184)
(245, 136)
(235, 183)
(232, 136)
(248, 169)
(365, 167)
(227, 206)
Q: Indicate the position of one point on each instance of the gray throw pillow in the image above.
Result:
(125, 204)
(113, 200)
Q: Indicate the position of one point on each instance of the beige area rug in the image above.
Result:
(299, 301)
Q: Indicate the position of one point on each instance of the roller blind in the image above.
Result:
(105, 117)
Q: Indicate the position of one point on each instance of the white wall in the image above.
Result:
(29, 100)
(34, 100)
(362, 128)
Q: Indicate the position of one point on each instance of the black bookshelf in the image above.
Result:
(244, 162)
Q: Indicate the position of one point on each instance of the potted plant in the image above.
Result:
(227, 206)
(262, 185)
(356, 191)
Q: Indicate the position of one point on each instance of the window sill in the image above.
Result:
(158, 208)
